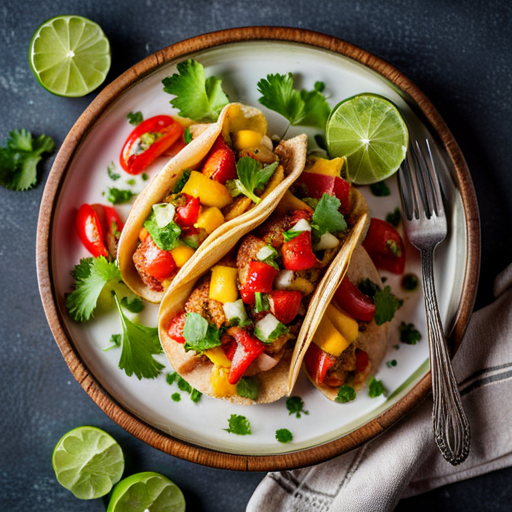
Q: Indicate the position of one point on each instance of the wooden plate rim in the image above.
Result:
(115, 410)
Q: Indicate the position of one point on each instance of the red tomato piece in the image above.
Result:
(157, 263)
(385, 246)
(176, 326)
(318, 363)
(354, 302)
(362, 360)
(298, 253)
(229, 346)
(248, 349)
(260, 278)
(164, 131)
(90, 231)
(220, 163)
(319, 184)
(186, 216)
(285, 305)
(111, 226)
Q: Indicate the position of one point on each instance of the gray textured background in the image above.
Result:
(458, 52)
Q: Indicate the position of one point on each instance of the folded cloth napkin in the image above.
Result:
(405, 461)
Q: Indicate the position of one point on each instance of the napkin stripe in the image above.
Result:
(487, 380)
(484, 370)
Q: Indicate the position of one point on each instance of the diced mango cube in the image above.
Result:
(345, 324)
(329, 339)
(210, 219)
(218, 356)
(245, 139)
(318, 165)
(290, 202)
(220, 383)
(223, 284)
(209, 192)
(182, 254)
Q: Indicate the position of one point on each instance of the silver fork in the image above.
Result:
(425, 226)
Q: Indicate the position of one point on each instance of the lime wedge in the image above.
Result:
(69, 55)
(370, 131)
(88, 462)
(146, 492)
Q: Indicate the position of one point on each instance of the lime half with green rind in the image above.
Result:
(371, 133)
(70, 55)
(88, 462)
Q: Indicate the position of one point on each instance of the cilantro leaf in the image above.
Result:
(167, 237)
(19, 159)
(145, 177)
(391, 363)
(176, 397)
(135, 118)
(187, 136)
(247, 387)
(290, 235)
(316, 109)
(251, 176)
(386, 305)
(368, 287)
(115, 339)
(376, 388)
(139, 344)
(295, 405)
(184, 385)
(239, 425)
(118, 196)
(89, 284)
(409, 334)
(380, 189)
(394, 217)
(110, 171)
(345, 394)
(197, 97)
(283, 435)
(327, 218)
(196, 395)
(410, 282)
(199, 334)
(171, 378)
(181, 183)
(133, 306)
(261, 302)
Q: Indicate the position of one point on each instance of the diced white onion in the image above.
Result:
(265, 141)
(302, 225)
(235, 310)
(284, 279)
(164, 214)
(327, 241)
(264, 253)
(266, 326)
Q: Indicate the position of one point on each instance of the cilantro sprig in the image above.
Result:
(251, 176)
(295, 405)
(199, 334)
(239, 425)
(327, 218)
(135, 118)
(283, 435)
(386, 303)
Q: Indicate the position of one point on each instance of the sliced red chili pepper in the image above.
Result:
(176, 326)
(90, 231)
(318, 363)
(220, 163)
(385, 246)
(186, 216)
(163, 129)
(362, 360)
(111, 226)
(248, 349)
(285, 305)
(354, 302)
(260, 278)
(319, 184)
(156, 262)
(298, 253)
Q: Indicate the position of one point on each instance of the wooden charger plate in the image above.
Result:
(146, 411)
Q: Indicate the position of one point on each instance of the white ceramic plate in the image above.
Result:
(241, 65)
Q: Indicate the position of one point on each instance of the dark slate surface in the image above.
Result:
(458, 53)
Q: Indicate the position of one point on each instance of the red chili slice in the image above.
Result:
(248, 349)
(260, 278)
(298, 253)
(176, 326)
(318, 363)
(354, 302)
(285, 305)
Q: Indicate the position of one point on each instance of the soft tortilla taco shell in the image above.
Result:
(292, 154)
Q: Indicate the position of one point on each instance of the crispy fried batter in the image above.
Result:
(199, 302)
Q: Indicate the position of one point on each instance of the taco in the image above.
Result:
(226, 180)
(231, 333)
(348, 345)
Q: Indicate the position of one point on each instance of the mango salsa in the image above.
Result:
(210, 219)
(329, 339)
(344, 323)
(182, 254)
(218, 356)
(209, 192)
(318, 165)
(223, 284)
(220, 383)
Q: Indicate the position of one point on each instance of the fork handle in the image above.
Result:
(450, 424)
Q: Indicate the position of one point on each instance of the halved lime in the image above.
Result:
(88, 462)
(146, 492)
(371, 132)
(70, 55)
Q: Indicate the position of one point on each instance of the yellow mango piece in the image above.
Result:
(245, 139)
(182, 254)
(319, 165)
(223, 284)
(290, 202)
(220, 383)
(329, 339)
(217, 356)
(210, 219)
(209, 192)
(345, 324)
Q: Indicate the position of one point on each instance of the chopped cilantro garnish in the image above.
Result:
(345, 394)
(19, 158)
(251, 176)
(171, 378)
(167, 237)
(181, 183)
(144, 177)
(261, 302)
(118, 196)
(199, 334)
(115, 339)
(392, 363)
(368, 287)
(290, 235)
(197, 97)
(196, 395)
(410, 282)
(394, 217)
(295, 405)
(386, 305)
(176, 397)
(376, 388)
(247, 387)
(239, 425)
(409, 334)
(268, 255)
(133, 306)
(283, 435)
(131, 182)
(134, 118)
(187, 136)
(327, 218)
(380, 189)
(114, 176)
(184, 385)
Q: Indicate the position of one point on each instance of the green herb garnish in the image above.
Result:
(239, 425)
(327, 218)
(133, 306)
(376, 388)
(290, 235)
(187, 136)
(345, 394)
(144, 177)
(409, 334)
(380, 189)
(131, 182)
(171, 378)
(182, 182)
(134, 118)
(251, 176)
(394, 217)
(261, 302)
(176, 397)
(167, 238)
(295, 405)
(119, 196)
(196, 395)
(114, 176)
(199, 334)
(115, 339)
(410, 282)
(283, 435)
(386, 305)
(247, 387)
(392, 363)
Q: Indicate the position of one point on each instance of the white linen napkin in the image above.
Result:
(405, 461)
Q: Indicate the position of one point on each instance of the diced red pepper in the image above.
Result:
(318, 363)
(248, 349)
(176, 326)
(157, 263)
(353, 301)
(385, 246)
(186, 216)
(220, 163)
(319, 184)
(285, 305)
(362, 360)
(90, 232)
(260, 278)
(229, 346)
(298, 253)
